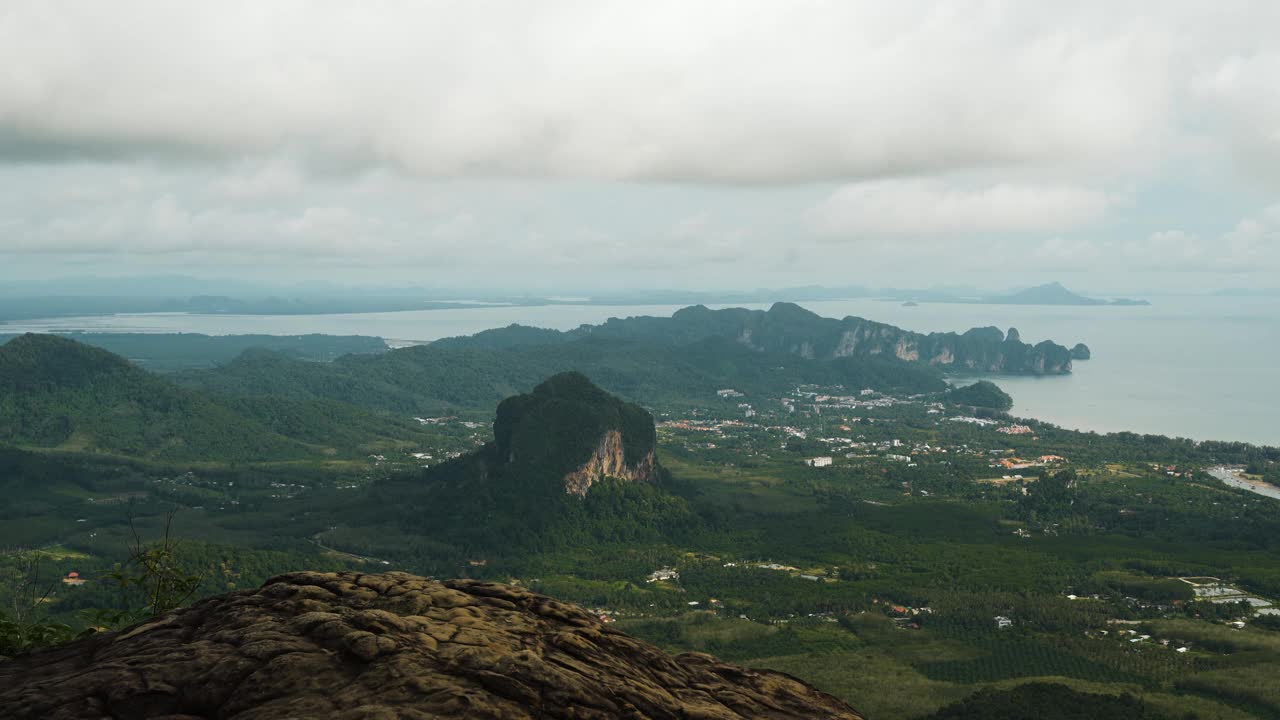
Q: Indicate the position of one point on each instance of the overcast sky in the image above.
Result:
(1110, 145)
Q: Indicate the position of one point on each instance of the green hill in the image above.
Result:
(56, 393)
(1047, 701)
(445, 378)
(172, 352)
(983, 394)
(569, 465)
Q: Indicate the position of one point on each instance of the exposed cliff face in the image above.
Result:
(609, 461)
(906, 350)
(570, 428)
(541, 482)
(367, 647)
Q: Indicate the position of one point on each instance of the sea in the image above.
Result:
(1197, 367)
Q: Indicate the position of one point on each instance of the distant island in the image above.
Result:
(16, 307)
(1054, 294)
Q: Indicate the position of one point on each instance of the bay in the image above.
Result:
(1197, 367)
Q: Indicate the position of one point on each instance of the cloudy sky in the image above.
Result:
(736, 143)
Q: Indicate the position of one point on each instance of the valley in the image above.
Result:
(857, 523)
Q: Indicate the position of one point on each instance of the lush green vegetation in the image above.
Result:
(983, 394)
(189, 351)
(1048, 702)
(56, 392)
(879, 578)
(445, 378)
(1267, 470)
(60, 394)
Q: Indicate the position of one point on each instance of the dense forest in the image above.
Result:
(59, 393)
(982, 394)
(189, 351)
(1047, 702)
(445, 378)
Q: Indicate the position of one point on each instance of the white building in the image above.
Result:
(663, 574)
(818, 462)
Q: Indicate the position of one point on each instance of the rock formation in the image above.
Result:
(573, 429)
(541, 481)
(374, 647)
(1081, 352)
(789, 328)
(609, 461)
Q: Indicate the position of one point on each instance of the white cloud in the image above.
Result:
(928, 207)
(1067, 254)
(745, 91)
(831, 137)
(1239, 97)
(1253, 245)
(1167, 249)
(276, 177)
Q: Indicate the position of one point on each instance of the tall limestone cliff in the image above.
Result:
(609, 461)
(570, 429)
(791, 329)
(371, 647)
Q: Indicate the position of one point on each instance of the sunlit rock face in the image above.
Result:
(609, 461)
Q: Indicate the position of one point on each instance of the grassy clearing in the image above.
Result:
(1217, 638)
(878, 685)
(59, 553)
(1255, 688)
(886, 688)
(755, 490)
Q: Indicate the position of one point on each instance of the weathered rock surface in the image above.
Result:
(609, 461)
(327, 645)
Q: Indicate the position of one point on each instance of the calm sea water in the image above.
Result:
(1193, 367)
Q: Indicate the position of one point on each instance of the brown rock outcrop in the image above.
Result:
(346, 645)
(608, 460)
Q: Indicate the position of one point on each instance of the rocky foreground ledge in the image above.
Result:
(375, 647)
